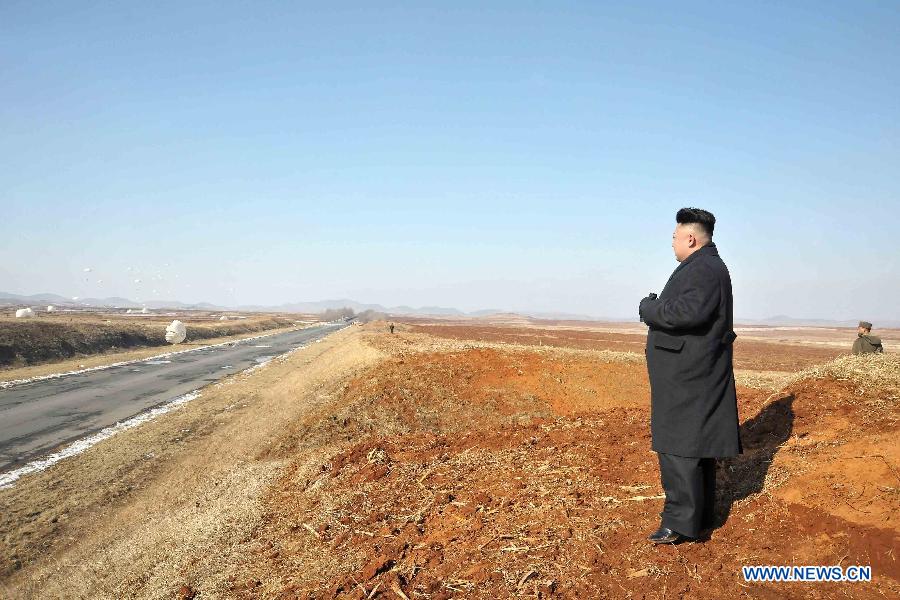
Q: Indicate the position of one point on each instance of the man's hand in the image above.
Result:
(649, 298)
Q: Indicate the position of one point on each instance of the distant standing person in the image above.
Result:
(866, 343)
(392, 328)
(693, 403)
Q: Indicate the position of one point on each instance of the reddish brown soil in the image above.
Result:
(504, 474)
(748, 354)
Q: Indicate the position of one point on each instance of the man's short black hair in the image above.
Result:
(697, 216)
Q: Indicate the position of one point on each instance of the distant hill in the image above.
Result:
(112, 302)
(423, 311)
(6, 298)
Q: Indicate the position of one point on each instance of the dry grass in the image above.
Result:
(173, 501)
(875, 378)
(869, 371)
(426, 343)
(27, 342)
(761, 380)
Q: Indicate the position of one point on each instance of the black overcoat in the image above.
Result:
(689, 360)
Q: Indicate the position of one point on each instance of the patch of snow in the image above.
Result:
(79, 446)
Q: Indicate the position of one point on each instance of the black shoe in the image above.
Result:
(664, 535)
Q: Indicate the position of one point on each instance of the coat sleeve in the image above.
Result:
(693, 306)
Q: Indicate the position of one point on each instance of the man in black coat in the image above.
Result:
(694, 416)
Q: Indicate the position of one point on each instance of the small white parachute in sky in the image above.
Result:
(88, 269)
(137, 280)
(24, 313)
(176, 332)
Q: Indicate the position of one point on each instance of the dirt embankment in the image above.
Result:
(25, 342)
(492, 473)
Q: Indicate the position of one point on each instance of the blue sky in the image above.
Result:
(525, 156)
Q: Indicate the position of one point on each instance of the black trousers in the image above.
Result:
(690, 486)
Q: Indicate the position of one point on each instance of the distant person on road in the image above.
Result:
(392, 328)
(693, 403)
(866, 343)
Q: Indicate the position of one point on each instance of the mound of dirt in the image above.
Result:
(490, 473)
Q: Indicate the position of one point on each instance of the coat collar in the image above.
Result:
(708, 250)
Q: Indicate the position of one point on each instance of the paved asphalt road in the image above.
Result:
(38, 417)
